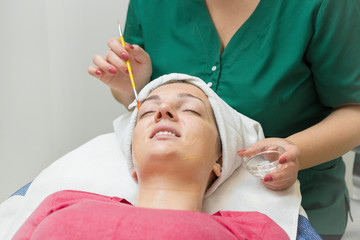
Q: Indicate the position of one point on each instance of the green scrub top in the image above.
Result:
(286, 67)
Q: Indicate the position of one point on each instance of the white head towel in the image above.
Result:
(236, 130)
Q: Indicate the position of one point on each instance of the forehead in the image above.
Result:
(172, 89)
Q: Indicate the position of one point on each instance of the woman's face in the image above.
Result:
(176, 133)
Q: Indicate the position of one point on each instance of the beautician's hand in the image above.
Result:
(285, 176)
(112, 69)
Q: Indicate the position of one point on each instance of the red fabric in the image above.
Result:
(82, 215)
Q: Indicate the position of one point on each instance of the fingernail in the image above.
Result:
(130, 46)
(241, 151)
(268, 178)
(127, 71)
(282, 160)
(112, 70)
(98, 72)
(124, 56)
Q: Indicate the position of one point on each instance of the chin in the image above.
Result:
(159, 153)
(163, 148)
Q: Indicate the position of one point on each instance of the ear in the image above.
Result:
(134, 175)
(217, 169)
(217, 166)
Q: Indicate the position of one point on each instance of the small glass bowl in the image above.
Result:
(263, 160)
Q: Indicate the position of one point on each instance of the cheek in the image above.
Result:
(137, 144)
(206, 140)
(136, 137)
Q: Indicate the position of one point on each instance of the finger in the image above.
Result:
(116, 61)
(139, 54)
(284, 173)
(290, 156)
(282, 160)
(115, 45)
(241, 152)
(277, 185)
(136, 52)
(104, 65)
(259, 146)
(128, 46)
(274, 187)
(105, 77)
(95, 71)
(281, 179)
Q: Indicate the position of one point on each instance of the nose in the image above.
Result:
(165, 111)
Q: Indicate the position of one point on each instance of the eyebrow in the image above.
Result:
(180, 95)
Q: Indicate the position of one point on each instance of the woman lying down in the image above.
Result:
(176, 156)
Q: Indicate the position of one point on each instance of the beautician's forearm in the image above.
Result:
(329, 139)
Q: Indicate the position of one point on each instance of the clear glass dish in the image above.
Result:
(263, 160)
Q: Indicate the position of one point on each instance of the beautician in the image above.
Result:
(293, 66)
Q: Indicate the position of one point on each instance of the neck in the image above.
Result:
(161, 193)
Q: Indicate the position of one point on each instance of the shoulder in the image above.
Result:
(73, 196)
(251, 224)
(246, 216)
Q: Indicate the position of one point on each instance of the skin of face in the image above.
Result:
(176, 136)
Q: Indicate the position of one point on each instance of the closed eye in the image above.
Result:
(192, 111)
(146, 113)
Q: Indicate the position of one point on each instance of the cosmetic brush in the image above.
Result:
(129, 68)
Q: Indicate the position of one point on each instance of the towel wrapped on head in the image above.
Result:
(236, 130)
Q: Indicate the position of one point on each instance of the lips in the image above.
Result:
(164, 131)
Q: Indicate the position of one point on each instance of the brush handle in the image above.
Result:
(122, 41)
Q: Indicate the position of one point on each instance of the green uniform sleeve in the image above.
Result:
(334, 52)
(133, 27)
